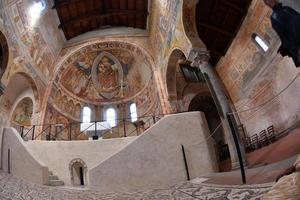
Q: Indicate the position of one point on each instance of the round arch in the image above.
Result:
(170, 76)
(78, 172)
(204, 102)
(25, 81)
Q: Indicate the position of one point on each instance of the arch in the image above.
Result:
(176, 56)
(22, 112)
(86, 114)
(204, 102)
(133, 112)
(24, 81)
(111, 116)
(78, 172)
(189, 24)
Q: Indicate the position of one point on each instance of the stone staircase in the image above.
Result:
(54, 180)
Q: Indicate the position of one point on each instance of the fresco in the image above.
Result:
(101, 73)
(23, 112)
(30, 44)
(253, 77)
(169, 15)
(107, 75)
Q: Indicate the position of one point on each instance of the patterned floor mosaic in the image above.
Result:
(12, 188)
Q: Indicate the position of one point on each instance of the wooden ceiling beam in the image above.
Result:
(234, 6)
(58, 3)
(214, 28)
(97, 16)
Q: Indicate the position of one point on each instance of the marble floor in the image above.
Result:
(12, 188)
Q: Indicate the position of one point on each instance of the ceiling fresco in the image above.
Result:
(95, 74)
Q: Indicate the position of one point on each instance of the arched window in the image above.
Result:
(86, 115)
(111, 117)
(260, 42)
(133, 112)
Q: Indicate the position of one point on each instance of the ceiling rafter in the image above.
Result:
(218, 22)
(215, 28)
(80, 16)
(93, 16)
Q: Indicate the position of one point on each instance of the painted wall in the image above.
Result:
(155, 159)
(253, 77)
(32, 48)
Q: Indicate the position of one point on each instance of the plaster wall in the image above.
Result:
(22, 162)
(155, 158)
(57, 155)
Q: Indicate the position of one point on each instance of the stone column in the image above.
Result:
(200, 59)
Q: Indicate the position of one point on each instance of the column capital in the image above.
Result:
(199, 57)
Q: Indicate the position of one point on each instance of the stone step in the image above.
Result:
(53, 177)
(55, 183)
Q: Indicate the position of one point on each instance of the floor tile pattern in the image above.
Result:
(12, 188)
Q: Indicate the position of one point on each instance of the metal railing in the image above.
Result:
(74, 131)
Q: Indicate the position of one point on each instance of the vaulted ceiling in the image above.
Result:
(80, 16)
(218, 22)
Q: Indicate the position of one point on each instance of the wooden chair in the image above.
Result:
(248, 145)
(263, 138)
(255, 142)
(271, 134)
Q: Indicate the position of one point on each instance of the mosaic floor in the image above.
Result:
(12, 188)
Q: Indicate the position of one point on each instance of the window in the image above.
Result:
(111, 117)
(86, 115)
(133, 112)
(35, 11)
(260, 42)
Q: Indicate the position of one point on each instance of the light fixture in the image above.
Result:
(35, 11)
(260, 42)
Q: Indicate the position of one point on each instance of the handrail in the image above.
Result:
(123, 128)
(42, 133)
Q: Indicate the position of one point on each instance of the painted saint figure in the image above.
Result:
(108, 75)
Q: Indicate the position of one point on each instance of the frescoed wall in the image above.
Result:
(31, 48)
(254, 78)
(98, 74)
(22, 114)
(101, 75)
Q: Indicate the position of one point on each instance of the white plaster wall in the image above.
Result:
(22, 162)
(57, 155)
(155, 159)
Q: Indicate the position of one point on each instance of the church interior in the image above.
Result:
(147, 99)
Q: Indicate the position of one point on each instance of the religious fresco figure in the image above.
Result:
(107, 75)
(23, 112)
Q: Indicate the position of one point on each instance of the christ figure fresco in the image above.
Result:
(107, 74)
